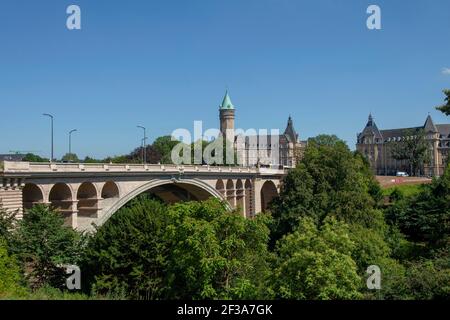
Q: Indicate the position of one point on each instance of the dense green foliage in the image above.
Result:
(315, 263)
(157, 152)
(70, 157)
(42, 242)
(330, 180)
(190, 250)
(10, 273)
(425, 216)
(30, 157)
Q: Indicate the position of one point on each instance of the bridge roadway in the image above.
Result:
(88, 194)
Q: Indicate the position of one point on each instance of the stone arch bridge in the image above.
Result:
(88, 194)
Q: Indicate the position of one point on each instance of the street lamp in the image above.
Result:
(144, 153)
(70, 141)
(51, 117)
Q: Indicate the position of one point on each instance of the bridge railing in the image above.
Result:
(47, 167)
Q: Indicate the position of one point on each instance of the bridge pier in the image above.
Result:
(11, 195)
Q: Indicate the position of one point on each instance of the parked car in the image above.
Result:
(402, 174)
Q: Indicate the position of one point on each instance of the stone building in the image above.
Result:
(255, 148)
(376, 145)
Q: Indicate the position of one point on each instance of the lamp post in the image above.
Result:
(144, 150)
(51, 117)
(70, 141)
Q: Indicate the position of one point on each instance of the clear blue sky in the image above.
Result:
(164, 64)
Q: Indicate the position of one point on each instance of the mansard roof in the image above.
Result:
(429, 126)
(391, 133)
(444, 130)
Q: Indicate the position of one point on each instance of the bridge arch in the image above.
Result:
(268, 193)
(32, 194)
(231, 193)
(61, 198)
(87, 197)
(110, 190)
(196, 185)
(240, 195)
(220, 187)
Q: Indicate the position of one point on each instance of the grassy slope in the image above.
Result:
(406, 189)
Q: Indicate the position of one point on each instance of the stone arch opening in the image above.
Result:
(249, 212)
(220, 187)
(110, 190)
(87, 199)
(240, 196)
(61, 199)
(186, 190)
(268, 193)
(178, 192)
(231, 193)
(31, 195)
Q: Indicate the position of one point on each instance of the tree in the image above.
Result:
(70, 157)
(42, 242)
(414, 148)
(30, 157)
(427, 279)
(325, 140)
(445, 108)
(88, 159)
(152, 155)
(425, 217)
(163, 146)
(330, 180)
(10, 274)
(217, 254)
(194, 250)
(128, 254)
(7, 223)
(316, 263)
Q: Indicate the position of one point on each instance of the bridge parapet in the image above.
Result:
(34, 167)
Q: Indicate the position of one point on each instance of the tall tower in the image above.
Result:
(226, 113)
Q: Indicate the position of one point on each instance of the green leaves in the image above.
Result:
(315, 263)
(445, 108)
(412, 148)
(425, 217)
(42, 242)
(10, 274)
(185, 251)
(330, 180)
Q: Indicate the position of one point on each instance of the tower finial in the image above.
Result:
(226, 103)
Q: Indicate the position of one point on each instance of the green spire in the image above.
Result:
(226, 103)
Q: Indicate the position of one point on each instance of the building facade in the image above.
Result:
(377, 146)
(255, 148)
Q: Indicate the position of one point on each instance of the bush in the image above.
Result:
(316, 263)
(10, 274)
(42, 243)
